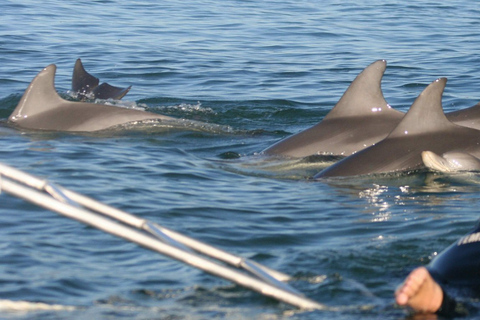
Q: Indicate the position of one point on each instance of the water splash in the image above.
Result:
(27, 306)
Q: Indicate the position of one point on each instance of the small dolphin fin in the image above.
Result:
(426, 113)
(82, 82)
(40, 95)
(364, 95)
(106, 91)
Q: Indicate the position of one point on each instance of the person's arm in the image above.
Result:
(420, 292)
(423, 294)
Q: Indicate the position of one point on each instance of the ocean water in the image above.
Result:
(253, 72)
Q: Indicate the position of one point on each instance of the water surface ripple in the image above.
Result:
(255, 72)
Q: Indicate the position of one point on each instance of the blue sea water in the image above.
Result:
(255, 72)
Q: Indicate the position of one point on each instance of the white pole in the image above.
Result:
(154, 244)
(134, 221)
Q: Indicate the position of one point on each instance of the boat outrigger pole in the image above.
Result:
(246, 273)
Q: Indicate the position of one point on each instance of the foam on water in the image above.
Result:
(26, 306)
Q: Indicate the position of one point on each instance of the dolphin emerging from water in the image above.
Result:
(86, 86)
(42, 108)
(424, 127)
(453, 161)
(361, 118)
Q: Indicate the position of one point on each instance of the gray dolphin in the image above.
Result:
(453, 161)
(468, 117)
(42, 108)
(86, 86)
(424, 127)
(360, 119)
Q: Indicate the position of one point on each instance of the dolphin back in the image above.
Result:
(424, 127)
(106, 91)
(359, 119)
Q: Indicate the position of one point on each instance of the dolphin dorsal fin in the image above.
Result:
(82, 81)
(426, 113)
(364, 95)
(40, 95)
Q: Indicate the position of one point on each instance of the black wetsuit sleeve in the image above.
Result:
(450, 307)
(458, 266)
(447, 309)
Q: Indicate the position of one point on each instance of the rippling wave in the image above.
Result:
(239, 76)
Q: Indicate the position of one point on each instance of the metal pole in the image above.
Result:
(154, 244)
(132, 220)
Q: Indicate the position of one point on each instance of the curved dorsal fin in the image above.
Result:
(82, 81)
(426, 113)
(40, 95)
(364, 95)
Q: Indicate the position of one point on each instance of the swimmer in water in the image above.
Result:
(457, 266)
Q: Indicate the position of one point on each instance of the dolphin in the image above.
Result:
(86, 86)
(424, 127)
(361, 118)
(453, 161)
(468, 117)
(42, 108)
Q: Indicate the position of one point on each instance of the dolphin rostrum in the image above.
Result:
(360, 119)
(453, 161)
(42, 108)
(424, 127)
(86, 86)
